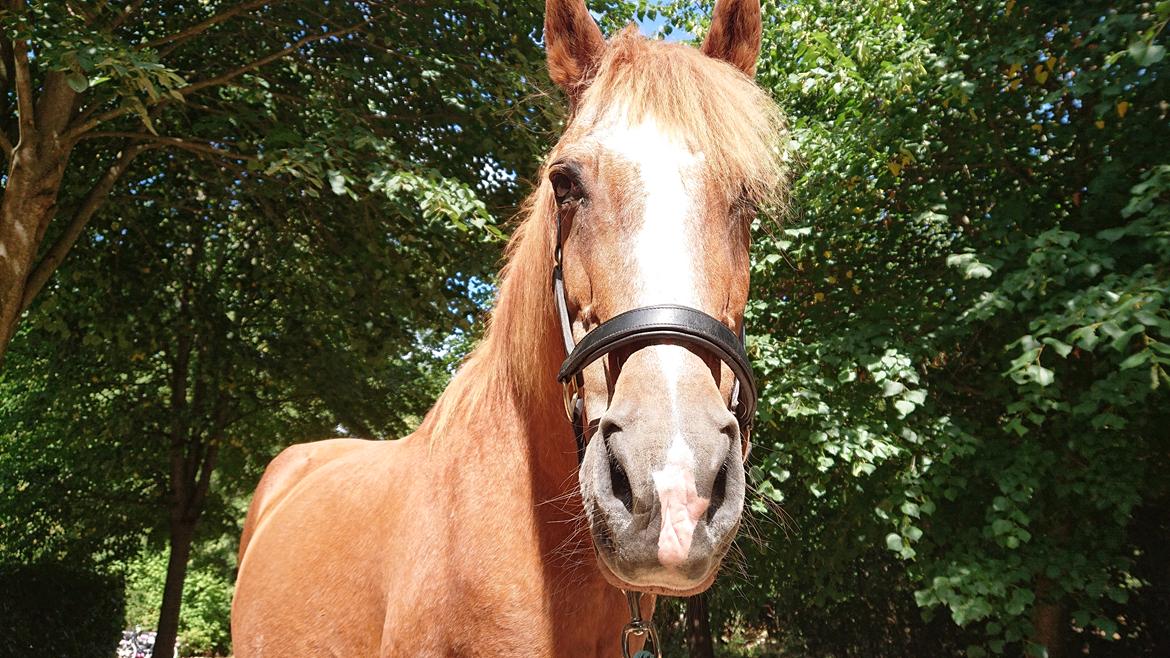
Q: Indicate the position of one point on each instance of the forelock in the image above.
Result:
(712, 106)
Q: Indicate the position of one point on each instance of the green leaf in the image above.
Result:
(1063, 349)
(1136, 359)
(1085, 337)
(1039, 374)
(894, 542)
(904, 407)
(337, 182)
(1145, 53)
(78, 82)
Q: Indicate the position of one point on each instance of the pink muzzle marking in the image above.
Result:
(681, 510)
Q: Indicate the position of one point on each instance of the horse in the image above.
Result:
(538, 489)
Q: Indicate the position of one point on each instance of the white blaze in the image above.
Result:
(663, 246)
(664, 250)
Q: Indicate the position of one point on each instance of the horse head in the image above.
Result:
(667, 152)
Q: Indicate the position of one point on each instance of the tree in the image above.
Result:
(187, 334)
(338, 95)
(962, 329)
(303, 225)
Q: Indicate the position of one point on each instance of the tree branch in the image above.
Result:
(179, 372)
(6, 144)
(97, 195)
(228, 76)
(208, 461)
(7, 69)
(203, 480)
(56, 104)
(268, 59)
(81, 10)
(181, 36)
(204, 148)
(126, 14)
(24, 91)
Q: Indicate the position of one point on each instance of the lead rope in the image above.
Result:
(639, 627)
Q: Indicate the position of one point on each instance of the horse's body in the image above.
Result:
(481, 534)
(460, 569)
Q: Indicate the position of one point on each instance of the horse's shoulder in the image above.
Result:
(287, 469)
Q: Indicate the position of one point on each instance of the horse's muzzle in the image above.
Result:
(664, 528)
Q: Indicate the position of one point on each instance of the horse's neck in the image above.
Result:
(500, 440)
(507, 393)
(523, 437)
(517, 446)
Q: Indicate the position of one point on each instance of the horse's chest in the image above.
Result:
(509, 604)
(475, 628)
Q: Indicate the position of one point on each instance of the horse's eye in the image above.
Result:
(564, 187)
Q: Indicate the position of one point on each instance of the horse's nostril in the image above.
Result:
(608, 428)
(718, 492)
(620, 482)
(731, 431)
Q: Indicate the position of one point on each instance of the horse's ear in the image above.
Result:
(574, 44)
(735, 34)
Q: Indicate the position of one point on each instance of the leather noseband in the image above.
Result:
(649, 324)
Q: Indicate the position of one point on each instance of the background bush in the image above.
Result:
(50, 609)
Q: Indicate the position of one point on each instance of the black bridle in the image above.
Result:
(648, 324)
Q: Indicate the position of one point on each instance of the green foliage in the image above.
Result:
(52, 609)
(961, 329)
(205, 620)
(312, 214)
(276, 328)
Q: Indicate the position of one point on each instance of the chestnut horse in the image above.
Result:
(482, 534)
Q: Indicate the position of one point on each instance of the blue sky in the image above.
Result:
(649, 27)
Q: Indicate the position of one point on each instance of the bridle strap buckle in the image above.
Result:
(639, 627)
(569, 394)
(575, 411)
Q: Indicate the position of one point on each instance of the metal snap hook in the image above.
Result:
(639, 628)
(651, 634)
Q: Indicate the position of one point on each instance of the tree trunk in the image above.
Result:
(30, 202)
(36, 165)
(1050, 620)
(30, 199)
(182, 534)
(699, 641)
(192, 462)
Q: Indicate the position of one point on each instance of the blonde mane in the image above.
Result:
(717, 109)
